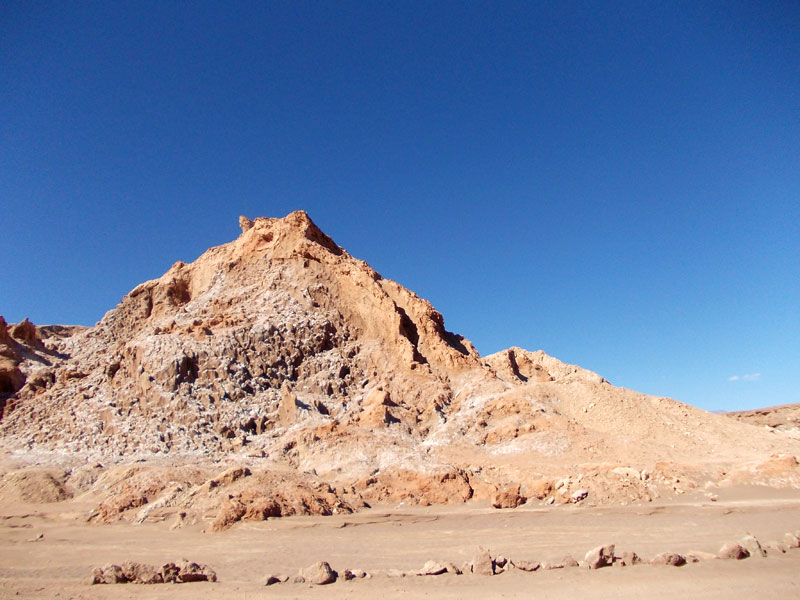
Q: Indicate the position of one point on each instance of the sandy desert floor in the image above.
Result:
(46, 552)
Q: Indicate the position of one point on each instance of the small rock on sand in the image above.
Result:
(602, 556)
(482, 563)
(791, 540)
(732, 551)
(668, 558)
(527, 565)
(320, 573)
(753, 546)
(698, 555)
(433, 567)
(627, 559)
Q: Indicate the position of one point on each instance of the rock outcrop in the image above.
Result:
(281, 353)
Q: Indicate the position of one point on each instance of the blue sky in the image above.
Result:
(615, 183)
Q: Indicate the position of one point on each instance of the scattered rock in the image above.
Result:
(540, 489)
(354, 574)
(108, 574)
(273, 579)
(669, 558)
(433, 567)
(579, 495)
(134, 572)
(776, 547)
(482, 563)
(627, 559)
(791, 540)
(569, 562)
(142, 573)
(733, 551)
(602, 556)
(169, 572)
(698, 555)
(320, 573)
(527, 565)
(190, 571)
(753, 546)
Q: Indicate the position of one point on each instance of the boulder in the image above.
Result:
(108, 574)
(141, 573)
(320, 573)
(482, 563)
(169, 572)
(540, 489)
(190, 571)
(508, 498)
(732, 551)
(601, 556)
(273, 579)
(669, 558)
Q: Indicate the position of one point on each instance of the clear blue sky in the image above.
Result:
(615, 183)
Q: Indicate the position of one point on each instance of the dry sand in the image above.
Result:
(403, 538)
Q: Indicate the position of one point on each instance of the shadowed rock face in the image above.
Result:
(281, 345)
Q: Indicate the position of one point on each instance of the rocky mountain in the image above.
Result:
(280, 354)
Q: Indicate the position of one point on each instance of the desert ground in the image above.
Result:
(47, 551)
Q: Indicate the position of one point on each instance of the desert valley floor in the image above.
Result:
(47, 552)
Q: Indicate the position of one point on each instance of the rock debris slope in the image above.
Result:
(280, 351)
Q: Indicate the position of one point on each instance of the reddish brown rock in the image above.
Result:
(142, 573)
(508, 498)
(25, 332)
(190, 572)
(108, 574)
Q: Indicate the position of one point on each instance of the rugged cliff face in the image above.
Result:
(280, 347)
(278, 327)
